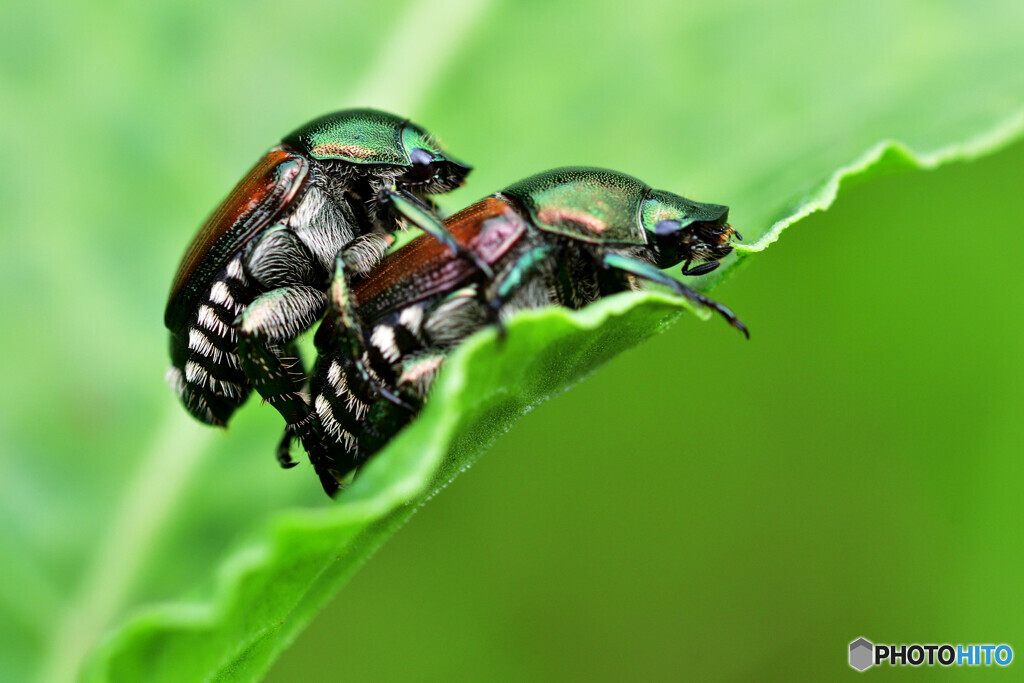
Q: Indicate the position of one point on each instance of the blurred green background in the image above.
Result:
(702, 507)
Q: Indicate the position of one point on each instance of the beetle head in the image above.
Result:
(430, 168)
(381, 148)
(682, 230)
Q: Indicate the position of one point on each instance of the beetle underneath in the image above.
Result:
(565, 237)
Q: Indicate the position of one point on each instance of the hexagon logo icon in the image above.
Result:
(862, 654)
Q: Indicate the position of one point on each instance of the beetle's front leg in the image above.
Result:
(267, 325)
(646, 271)
(411, 208)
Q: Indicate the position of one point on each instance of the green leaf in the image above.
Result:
(151, 548)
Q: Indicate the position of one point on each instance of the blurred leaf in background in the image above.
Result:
(848, 472)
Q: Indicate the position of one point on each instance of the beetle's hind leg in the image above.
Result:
(291, 359)
(291, 280)
(284, 449)
(313, 443)
(317, 457)
(265, 328)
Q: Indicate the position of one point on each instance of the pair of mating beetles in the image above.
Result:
(306, 231)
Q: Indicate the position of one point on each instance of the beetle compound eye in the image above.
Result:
(420, 158)
(421, 165)
(667, 234)
(666, 227)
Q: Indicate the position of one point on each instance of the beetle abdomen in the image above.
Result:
(206, 371)
(353, 422)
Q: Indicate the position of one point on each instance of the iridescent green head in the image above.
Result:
(683, 230)
(606, 207)
(371, 138)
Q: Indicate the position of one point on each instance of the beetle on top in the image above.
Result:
(255, 275)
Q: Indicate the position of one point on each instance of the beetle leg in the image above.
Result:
(348, 329)
(269, 323)
(327, 480)
(312, 442)
(526, 267)
(646, 271)
(299, 428)
(363, 253)
(419, 372)
(414, 210)
(280, 259)
(702, 269)
(284, 449)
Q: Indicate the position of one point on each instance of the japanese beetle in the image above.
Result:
(255, 275)
(565, 237)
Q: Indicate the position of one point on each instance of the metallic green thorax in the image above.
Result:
(587, 204)
(362, 136)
